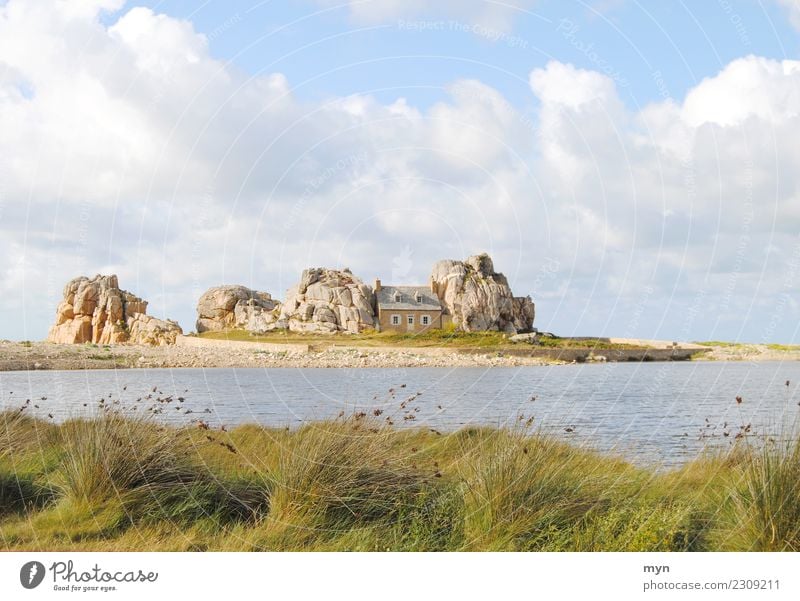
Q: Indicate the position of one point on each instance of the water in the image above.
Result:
(651, 413)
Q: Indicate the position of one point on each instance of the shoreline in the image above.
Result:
(192, 352)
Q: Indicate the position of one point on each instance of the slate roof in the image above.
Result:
(429, 301)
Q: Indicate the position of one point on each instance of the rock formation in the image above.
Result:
(480, 299)
(237, 307)
(97, 310)
(146, 329)
(327, 301)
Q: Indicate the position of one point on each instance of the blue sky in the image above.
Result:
(324, 50)
(631, 165)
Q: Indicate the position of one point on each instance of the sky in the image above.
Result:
(633, 166)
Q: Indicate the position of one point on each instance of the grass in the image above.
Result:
(447, 338)
(118, 483)
(721, 343)
(784, 347)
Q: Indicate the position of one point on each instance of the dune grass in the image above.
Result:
(116, 482)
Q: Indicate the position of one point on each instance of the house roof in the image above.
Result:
(407, 300)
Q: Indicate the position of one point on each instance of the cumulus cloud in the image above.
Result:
(128, 147)
(692, 199)
(792, 8)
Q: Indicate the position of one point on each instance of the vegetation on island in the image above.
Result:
(123, 482)
(449, 337)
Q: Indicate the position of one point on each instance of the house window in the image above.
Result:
(397, 297)
(395, 320)
(426, 320)
(418, 297)
(410, 320)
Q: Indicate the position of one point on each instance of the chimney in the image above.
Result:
(377, 285)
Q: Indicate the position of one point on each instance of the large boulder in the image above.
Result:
(478, 298)
(237, 307)
(146, 329)
(328, 301)
(97, 310)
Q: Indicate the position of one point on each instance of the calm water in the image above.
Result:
(650, 412)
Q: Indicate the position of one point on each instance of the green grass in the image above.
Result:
(447, 338)
(784, 347)
(593, 343)
(721, 343)
(357, 483)
(746, 346)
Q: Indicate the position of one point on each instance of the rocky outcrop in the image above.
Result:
(478, 298)
(97, 310)
(328, 301)
(237, 307)
(146, 329)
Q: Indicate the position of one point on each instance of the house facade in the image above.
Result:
(412, 309)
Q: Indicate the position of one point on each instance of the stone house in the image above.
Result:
(408, 309)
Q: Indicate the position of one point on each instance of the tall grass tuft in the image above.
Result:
(15, 431)
(331, 475)
(767, 502)
(150, 470)
(528, 492)
(18, 490)
(105, 457)
(355, 483)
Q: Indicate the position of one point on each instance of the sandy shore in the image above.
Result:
(197, 352)
(219, 353)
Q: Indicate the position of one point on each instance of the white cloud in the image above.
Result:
(681, 196)
(748, 87)
(792, 7)
(130, 147)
